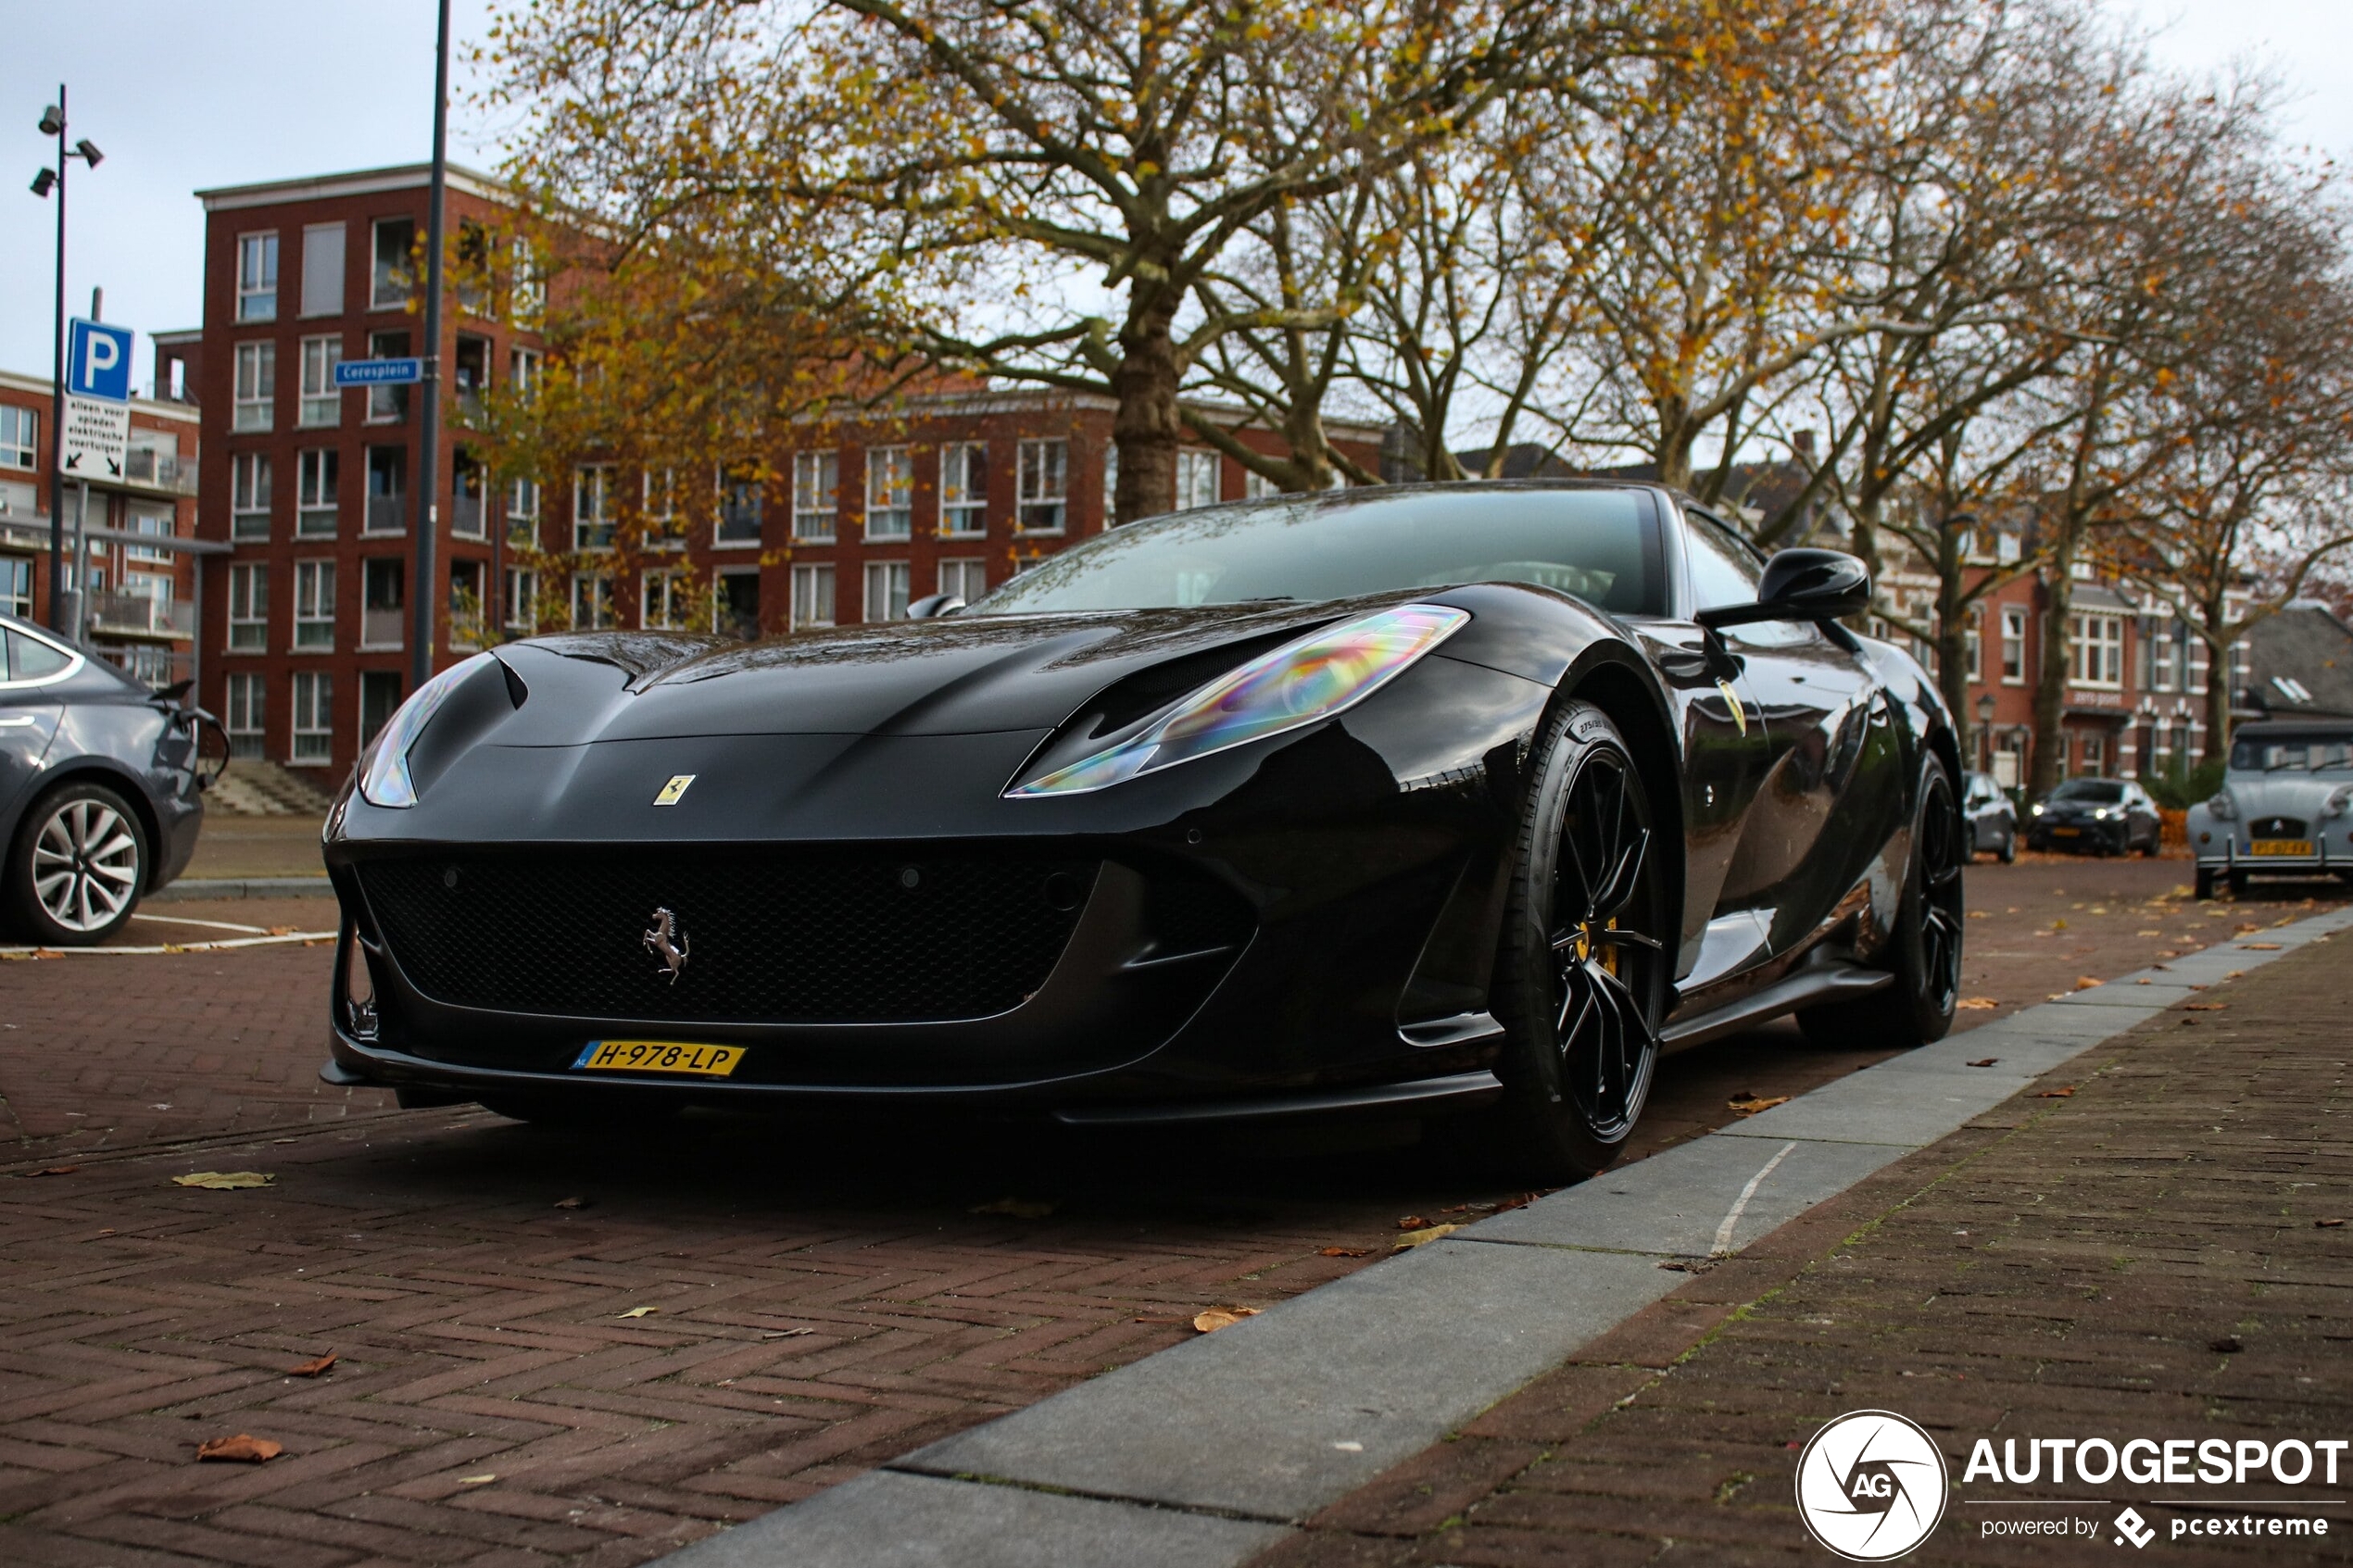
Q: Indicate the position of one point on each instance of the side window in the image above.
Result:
(30, 659)
(1723, 570)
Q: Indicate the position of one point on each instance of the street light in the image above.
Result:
(53, 124)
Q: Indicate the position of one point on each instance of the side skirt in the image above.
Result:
(1804, 988)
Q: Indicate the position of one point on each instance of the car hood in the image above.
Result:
(2299, 796)
(946, 676)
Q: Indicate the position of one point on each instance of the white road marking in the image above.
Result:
(214, 925)
(171, 947)
(1724, 1232)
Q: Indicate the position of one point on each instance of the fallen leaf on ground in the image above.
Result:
(2326, 1224)
(1216, 1318)
(2204, 1007)
(2260, 946)
(2143, 980)
(1688, 1265)
(1978, 914)
(2058, 924)
(226, 1179)
(312, 1368)
(1346, 1252)
(476, 1480)
(2148, 934)
(638, 1313)
(787, 1333)
(1415, 1239)
(1977, 1004)
(1411, 1221)
(2085, 982)
(1019, 1208)
(1749, 1104)
(54, 1170)
(284, 930)
(573, 1202)
(1985, 1061)
(243, 1449)
(2228, 1345)
(2055, 1094)
(2236, 974)
(2247, 926)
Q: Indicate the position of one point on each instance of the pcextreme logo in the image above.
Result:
(1870, 1486)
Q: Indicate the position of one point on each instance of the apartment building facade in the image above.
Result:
(315, 494)
(134, 577)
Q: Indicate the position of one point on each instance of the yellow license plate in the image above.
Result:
(659, 1056)
(2065, 832)
(2283, 847)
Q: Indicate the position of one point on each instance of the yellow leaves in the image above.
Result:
(225, 1180)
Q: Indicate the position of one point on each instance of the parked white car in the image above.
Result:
(2285, 806)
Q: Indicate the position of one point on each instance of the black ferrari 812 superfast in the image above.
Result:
(1428, 798)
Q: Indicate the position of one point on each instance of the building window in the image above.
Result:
(469, 612)
(473, 367)
(470, 278)
(394, 276)
(2095, 756)
(321, 403)
(666, 528)
(387, 490)
(2095, 651)
(522, 370)
(521, 600)
(527, 292)
(383, 619)
(662, 601)
(388, 405)
(967, 578)
(523, 512)
(734, 607)
(890, 493)
(315, 474)
(2013, 645)
(963, 489)
(815, 481)
(591, 601)
(1973, 645)
(1256, 487)
(16, 586)
(1197, 477)
(256, 277)
(813, 597)
(322, 269)
(257, 386)
(244, 719)
(249, 496)
(314, 604)
(20, 437)
(592, 507)
(2165, 673)
(886, 590)
(1042, 494)
(468, 508)
(314, 729)
(739, 503)
(248, 607)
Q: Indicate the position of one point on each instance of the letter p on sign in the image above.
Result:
(98, 361)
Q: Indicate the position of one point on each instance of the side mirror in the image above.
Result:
(933, 604)
(1802, 585)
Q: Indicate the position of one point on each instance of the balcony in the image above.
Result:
(381, 629)
(136, 615)
(387, 514)
(466, 514)
(162, 471)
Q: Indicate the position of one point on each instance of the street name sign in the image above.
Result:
(379, 373)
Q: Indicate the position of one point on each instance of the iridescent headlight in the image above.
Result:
(383, 776)
(1297, 684)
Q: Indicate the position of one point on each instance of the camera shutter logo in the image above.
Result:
(1870, 1486)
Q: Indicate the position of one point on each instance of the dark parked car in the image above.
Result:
(101, 789)
(2104, 816)
(1427, 797)
(1992, 820)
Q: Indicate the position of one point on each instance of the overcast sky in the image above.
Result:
(181, 97)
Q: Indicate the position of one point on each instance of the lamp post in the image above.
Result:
(53, 124)
(1985, 727)
(429, 426)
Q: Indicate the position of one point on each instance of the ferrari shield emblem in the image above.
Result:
(1731, 699)
(676, 790)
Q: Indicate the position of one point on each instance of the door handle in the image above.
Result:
(19, 722)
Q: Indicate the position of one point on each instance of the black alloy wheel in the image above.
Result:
(1924, 949)
(1584, 969)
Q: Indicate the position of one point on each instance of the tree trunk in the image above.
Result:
(1952, 643)
(1147, 424)
(2050, 681)
(2218, 681)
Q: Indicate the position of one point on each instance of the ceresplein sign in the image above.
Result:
(1870, 1486)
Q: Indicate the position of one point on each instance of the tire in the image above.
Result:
(1925, 945)
(2238, 885)
(78, 867)
(2155, 842)
(2203, 884)
(2009, 848)
(1582, 968)
(1969, 843)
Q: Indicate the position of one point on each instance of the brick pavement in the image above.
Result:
(2077, 1265)
(479, 1324)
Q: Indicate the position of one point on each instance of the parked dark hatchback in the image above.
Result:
(2105, 816)
(101, 789)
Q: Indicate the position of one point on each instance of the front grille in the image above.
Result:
(770, 935)
(2278, 827)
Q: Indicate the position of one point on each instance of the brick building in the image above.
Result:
(138, 588)
(314, 492)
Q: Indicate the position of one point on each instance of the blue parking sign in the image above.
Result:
(98, 361)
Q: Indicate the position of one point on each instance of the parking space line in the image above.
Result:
(1724, 1231)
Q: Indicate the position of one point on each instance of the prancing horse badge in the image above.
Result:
(676, 790)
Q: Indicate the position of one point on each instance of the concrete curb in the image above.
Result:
(187, 891)
(1203, 1455)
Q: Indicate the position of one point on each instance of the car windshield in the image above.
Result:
(1600, 545)
(2316, 753)
(2097, 792)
